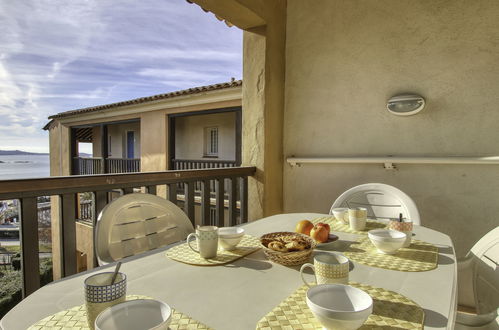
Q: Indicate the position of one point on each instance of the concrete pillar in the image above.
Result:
(263, 116)
(60, 165)
(154, 144)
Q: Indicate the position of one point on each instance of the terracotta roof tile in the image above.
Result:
(194, 90)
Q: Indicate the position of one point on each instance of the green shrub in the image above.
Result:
(10, 285)
(10, 291)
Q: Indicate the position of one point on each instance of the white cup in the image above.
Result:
(207, 241)
(328, 267)
(357, 217)
(341, 214)
(100, 294)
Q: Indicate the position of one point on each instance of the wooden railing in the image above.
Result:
(122, 165)
(191, 164)
(97, 165)
(88, 166)
(66, 189)
(86, 210)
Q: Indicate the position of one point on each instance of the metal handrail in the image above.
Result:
(448, 160)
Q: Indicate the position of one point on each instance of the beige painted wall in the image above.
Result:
(117, 132)
(346, 58)
(190, 131)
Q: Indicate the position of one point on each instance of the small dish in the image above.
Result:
(387, 241)
(135, 314)
(339, 306)
(330, 242)
(229, 237)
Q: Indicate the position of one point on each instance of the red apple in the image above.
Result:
(324, 225)
(320, 234)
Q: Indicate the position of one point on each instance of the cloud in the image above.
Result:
(59, 55)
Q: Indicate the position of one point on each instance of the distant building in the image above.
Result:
(188, 129)
(193, 128)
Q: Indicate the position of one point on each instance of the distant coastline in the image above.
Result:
(24, 166)
(18, 153)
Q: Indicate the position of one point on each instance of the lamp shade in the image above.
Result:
(405, 104)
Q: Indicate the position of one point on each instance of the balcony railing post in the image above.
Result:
(172, 193)
(68, 234)
(151, 190)
(205, 202)
(220, 200)
(232, 191)
(99, 202)
(243, 199)
(30, 263)
(189, 201)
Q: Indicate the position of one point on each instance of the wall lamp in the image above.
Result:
(405, 104)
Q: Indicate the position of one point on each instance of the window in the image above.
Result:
(211, 141)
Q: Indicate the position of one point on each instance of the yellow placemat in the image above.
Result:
(390, 310)
(340, 226)
(418, 257)
(184, 253)
(76, 318)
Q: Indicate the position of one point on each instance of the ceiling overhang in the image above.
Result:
(232, 12)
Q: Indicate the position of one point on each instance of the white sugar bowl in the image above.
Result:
(339, 306)
(229, 237)
(387, 241)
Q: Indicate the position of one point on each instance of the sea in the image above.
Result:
(24, 166)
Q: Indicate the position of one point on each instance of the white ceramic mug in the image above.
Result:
(357, 217)
(101, 294)
(328, 267)
(207, 241)
(341, 214)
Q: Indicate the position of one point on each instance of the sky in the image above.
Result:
(60, 55)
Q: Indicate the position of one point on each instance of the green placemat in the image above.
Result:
(76, 318)
(184, 253)
(418, 257)
(340, 226)
(390, 310)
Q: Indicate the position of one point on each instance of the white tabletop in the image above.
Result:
(238, 295)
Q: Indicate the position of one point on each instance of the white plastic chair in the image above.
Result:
(137, 223)
(478, 285)
(381, 200)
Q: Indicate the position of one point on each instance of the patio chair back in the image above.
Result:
(478, 282)
(487, 272)
(381, 200)
(136, 223)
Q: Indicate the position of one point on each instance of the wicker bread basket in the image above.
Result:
(287, 258)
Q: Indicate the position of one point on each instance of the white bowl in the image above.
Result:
(135, 314)
(387, 241)
(229, 237)
(341, 214)
(339, 306)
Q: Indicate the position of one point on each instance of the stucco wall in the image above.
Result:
(344, 59)
(189, 135)
(118, 134)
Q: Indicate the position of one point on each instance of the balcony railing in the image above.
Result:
(191, 164)
(97, 165)
(66, 190)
